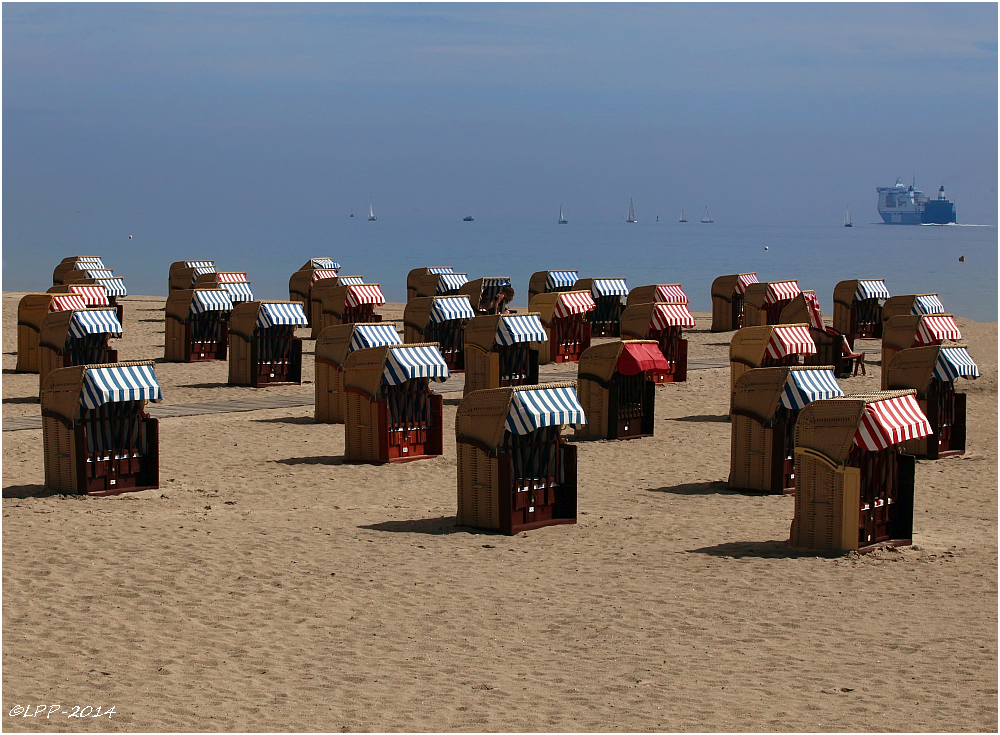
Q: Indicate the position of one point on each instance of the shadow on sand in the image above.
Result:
(441, 526)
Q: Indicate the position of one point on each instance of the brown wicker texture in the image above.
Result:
(644, 294)
(65, 266)
(413, 276)
(426, 285)
(828, 426)
(52, 341)
(363, 368)
(300, 286)
(598, 365)
(181, 278)
(898, 333)
(416, 317)
(319, 319)
(748, 348)
(482, 415)
(177, 314)
(797, 310)
(31, 310)
(243, 318)
(242, 323)
(536, 284)
(482, 362)
(901, 305)
(481, 332)
(62, 389)
(332, 348)
(723, 290)
(637, 319)
(843, 299)
(754, 314)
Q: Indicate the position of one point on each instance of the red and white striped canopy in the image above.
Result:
(67, 302)
(671, 293)
(815, 313)
(366, 293)
(574, 302)
(92, 295)
(890, 422)
(232, 277)
(323, 273)
(781, 291)
(671, 315)
(936, 327)
(790, 341)
(744, 280)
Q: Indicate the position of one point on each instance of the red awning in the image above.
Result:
(368, 293)
(92, 295)
(790, 341)
(744, 280)
(67, 302)
(321, 273)
(891, 421)
(781, 291)
(815, 314)
(639, 358)
(671, 292)
(671, 315)
(934, 328)
(574, 302)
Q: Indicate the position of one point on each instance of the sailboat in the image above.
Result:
(371, 212)
(561, 220)
(631, 212)
(706, 219)
(352, 211)
(847, 218)
(683, 218)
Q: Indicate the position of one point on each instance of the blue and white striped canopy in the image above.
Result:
(203, 301)
(534, 409)
(441, 269)
(238, 291)
(447, 309)
(98, 272)
(955, 362)
(609, 287)
(515, 329)
(805, 386)
(561, 279)
(404, 364)
(117, 384)
(451, 281)
(873, 289)
(114, 286)
(325, 263)
(200, 264)
(103, 321)
(374, 335)
(201, 270)
(929, 304)
(351, 281)
(88, 262)
(271, 315)
(495, 282)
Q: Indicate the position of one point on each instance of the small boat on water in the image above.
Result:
(561, 220)
(631, 212)
(468, 218)
(371, 212)
(706, 219)
(683, 218)
(352, 211)
(847, 218)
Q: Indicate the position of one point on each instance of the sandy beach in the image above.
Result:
(267, 586)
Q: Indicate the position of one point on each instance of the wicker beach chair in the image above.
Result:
(442, 320)
(262, 343)
(31, 310)
(500, 351)
(606, 317)
(853, 485)
(323, 288)
(764, 302)
(114, 286)
(76, 262)
(333, 346)
(932, 372)
(414, 275)
(439, 284)
(857, 308)
(515, 471)
(766, 404)
(832, 347)
(727, 301)
(564, 316)
(664, 323)
(911, 304)
(392, 414)
(489, 295)
(780, 345)
(667, 293)
(235, 282)
(195, 325)
(551, 282)
(616, 386)
(351, 303)
(915, 330)
(182, 274)
(301, 282)
(97, 437)
(71, 338)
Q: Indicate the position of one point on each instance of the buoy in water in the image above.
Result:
(765, 247)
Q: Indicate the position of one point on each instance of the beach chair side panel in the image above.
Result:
(478, 488)
(330, 396)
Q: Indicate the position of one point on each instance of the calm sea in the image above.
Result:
(911, 259)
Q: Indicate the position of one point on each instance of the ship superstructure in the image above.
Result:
(907, 205)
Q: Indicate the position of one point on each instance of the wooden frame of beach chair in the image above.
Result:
(568, 335)
(338, 309)
(668, 293)
(416, 273)
(496, 490)
(114, 287)
(762, 448)
(848, 497)
(606, 317)
(638, 323)
(944, 407)
(618, 406)
(490, 364)
(449, 335)
(764, 302)
(538, 284)
(31, 311)
(69, 264)
(389, 423)
(105, 450)
(333, 345)
(909, 305)
(728, 294)
(319, 318)
(428, 285)
(262, 356)
(857, 318)
(58, 348)
(182, 274)
(191, 337)
(748, 349)
(482, 293)
(915, 330)
(301, 282)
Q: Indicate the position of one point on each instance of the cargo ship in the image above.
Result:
(906, 205)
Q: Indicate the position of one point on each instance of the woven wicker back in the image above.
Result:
(66, 266)
(544, 304)
(481, 331)
(411, 281)
(796, 312)
(416, 316)
(828, 426)
(32, 308)
(426, 284)
(536, 284)
(363, 368)
(912, 368)
(62, 388)
(243, 319)
(749, 344)
(181, 278)
(334, 299)
(758, 392)
(601, 360)
(641, 295)
(901, 305)
(755, 294)
(724, 287)
(179, 304)
(482, 415)
(843, 299)
(900, 331)
(334, 343)
(636, 319)
(79, 278)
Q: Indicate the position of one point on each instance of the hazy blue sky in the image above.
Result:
(291, 113)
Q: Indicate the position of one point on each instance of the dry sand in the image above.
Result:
(268, 586)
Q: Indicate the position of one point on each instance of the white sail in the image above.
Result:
(706, 219)
(631, 212)
(371, 212)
